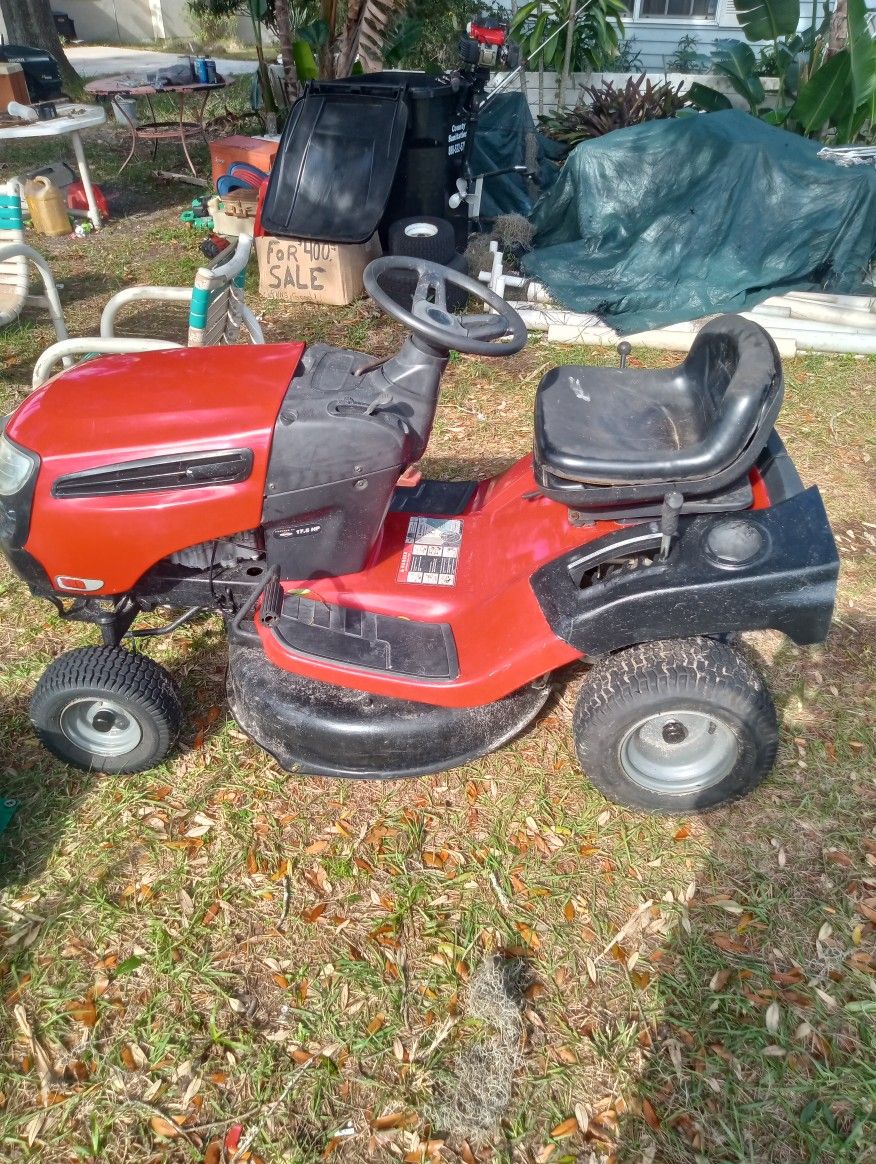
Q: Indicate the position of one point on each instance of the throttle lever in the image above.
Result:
(669, 514)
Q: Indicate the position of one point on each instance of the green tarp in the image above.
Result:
(676, 219)
(506, 136)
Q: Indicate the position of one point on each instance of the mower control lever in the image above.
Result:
(623, 350)
(669, 515)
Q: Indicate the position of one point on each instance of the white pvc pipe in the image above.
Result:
(854, 302)
(662, 339)
(88, 345)
(813, 327)
(822, 312)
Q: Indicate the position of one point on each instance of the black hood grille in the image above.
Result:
(154, 474)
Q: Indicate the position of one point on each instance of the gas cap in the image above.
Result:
(734, 542)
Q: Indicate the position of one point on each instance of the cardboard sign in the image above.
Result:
(321, 272)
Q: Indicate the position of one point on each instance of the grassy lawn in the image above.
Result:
(218, 961)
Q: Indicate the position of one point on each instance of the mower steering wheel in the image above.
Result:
(477, 335)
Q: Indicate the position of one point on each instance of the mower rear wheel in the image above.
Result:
(682, 725)
(105, 709)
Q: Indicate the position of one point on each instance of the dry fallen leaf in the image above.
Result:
(729, 945)
(529, 935)
(581, 1118)
(650, 1115)
(392, 1119)
(719, 980)
(772, 1018)
(82, 1011)
(316, 911)
(211, 914)
(163, 1127)
(566, 1128)
(376, 1024)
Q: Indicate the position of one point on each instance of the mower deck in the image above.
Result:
(325, 730)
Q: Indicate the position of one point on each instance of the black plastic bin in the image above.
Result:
(360, 152)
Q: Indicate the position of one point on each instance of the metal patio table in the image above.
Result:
(184, 129)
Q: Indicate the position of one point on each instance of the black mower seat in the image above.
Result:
(631, 436)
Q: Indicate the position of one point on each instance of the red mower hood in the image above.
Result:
(131, 408)
(142, 405)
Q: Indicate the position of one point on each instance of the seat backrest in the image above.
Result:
(14, 279)
(217, 308)
(737, 372)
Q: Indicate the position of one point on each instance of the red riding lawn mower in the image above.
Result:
(385, 626)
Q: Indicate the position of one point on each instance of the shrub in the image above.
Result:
(602, 108)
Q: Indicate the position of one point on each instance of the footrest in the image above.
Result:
(436, 498)
(374, 642)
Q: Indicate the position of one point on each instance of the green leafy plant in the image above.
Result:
(425, 33)
(540, 28)
(818, 92)
(686, 58)
(628, 58)
(603, 108)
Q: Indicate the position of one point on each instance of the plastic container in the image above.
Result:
(432, 102)
(256, 151)
(235, 214)
(47, 206)
(358, 153)
(13, 84)
(125, 110)
(22, 111)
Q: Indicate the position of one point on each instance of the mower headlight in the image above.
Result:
(15, 468)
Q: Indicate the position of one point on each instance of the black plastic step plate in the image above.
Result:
(439, 498)
(374, 642)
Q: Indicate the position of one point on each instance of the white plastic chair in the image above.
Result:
(15, 255)
(217, 314)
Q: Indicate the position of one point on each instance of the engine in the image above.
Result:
(225, 554)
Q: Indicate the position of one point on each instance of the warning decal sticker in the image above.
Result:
(431, 553)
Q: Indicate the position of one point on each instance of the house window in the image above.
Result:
(679, 9)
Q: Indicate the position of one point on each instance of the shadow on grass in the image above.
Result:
(50, 792)
(763, 1046)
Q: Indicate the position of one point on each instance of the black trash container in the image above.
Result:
(360, 152)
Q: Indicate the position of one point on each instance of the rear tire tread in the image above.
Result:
(697, 669)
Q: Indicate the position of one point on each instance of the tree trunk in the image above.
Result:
(838, 37)
(565, 77)
(328, 11)
(284, 36)
(30, 22)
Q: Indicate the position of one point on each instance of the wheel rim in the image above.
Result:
(100, 726)
(679, 752)
(421, 230)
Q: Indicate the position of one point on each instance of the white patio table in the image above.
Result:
(71, 120)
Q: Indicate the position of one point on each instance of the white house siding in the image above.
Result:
(127, 21)
(657, 38)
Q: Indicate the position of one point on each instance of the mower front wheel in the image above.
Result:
(678, 726)
(105, 709)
